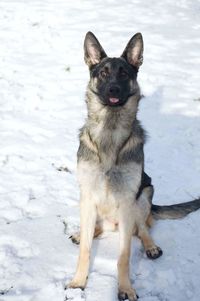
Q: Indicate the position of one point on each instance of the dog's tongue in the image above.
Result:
(114, 100)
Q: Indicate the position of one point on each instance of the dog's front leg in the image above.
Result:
(88, 221)
(126, 225)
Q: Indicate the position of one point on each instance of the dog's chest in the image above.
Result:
(109, 142)
(108, 188)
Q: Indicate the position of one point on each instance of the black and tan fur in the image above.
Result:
(115, 191)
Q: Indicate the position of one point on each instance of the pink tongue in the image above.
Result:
(114, 100)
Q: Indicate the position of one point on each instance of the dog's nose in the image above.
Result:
(114, 90)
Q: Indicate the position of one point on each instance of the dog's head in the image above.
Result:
(113, 80)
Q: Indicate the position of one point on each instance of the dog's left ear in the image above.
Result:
(93, 51)
(133, 53)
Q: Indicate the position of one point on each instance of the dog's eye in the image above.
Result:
(123, 74)
(104, 74)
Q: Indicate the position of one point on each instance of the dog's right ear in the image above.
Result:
(93, 51)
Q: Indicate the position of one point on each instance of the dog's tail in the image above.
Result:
(175, 211)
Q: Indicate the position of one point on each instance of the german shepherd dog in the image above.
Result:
(115, 191)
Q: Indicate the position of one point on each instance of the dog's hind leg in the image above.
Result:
(144, 220)
(151, 249)
(88, 221)
(75, 238)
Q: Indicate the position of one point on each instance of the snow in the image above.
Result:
(42, 86)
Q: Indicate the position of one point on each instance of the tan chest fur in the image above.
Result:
(108, 188)
(105, 181)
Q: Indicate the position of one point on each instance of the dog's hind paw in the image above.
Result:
(75, 238)
(127, 294)
(154, 252)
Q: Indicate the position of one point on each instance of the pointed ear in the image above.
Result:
(133, 53)
(93, 51)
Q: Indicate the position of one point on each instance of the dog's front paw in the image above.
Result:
(127, 294)
(75, 284)
(154, 252)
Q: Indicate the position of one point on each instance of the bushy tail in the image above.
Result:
(175, 211)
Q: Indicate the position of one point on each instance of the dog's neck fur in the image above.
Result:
(108, 128)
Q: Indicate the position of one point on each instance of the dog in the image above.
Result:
(115, 191)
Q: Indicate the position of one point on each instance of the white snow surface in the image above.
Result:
(42, 85)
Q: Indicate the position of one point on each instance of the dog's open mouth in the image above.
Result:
(113, 100)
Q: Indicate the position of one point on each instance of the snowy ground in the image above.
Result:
(42, 84)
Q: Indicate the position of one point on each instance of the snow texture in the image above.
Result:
(42, 86)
